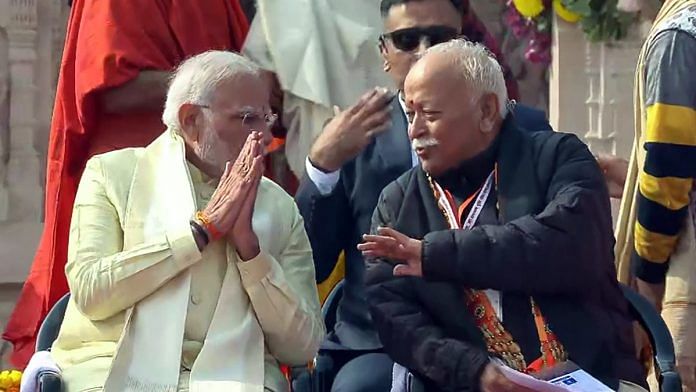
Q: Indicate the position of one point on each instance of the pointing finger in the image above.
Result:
(380, 239)
(389, 232)
(369, 246)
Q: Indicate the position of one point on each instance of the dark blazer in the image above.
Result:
(337, 221)
(554, 242)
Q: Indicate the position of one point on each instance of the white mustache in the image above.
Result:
(424, 142)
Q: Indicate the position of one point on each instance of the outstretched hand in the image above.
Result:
(390, 244)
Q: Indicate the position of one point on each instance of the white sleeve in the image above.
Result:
(325, 182)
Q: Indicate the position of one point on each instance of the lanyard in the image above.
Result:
(447, 203)
(552, 351)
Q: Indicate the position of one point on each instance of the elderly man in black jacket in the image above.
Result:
(498, 245)
(360, 151)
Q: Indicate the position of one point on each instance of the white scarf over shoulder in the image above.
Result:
(148, 357)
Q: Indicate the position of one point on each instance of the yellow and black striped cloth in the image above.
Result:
(667, 180)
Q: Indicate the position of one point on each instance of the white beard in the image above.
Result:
(211, 150)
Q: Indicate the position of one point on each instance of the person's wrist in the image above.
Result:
(491, 379)
(248, 252)
(200, 236)
(208, 222)
(247, 246)
(326, 165)
(486, 378)
(324, 160)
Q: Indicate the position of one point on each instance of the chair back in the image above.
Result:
(330, 307)
(660, 340)
(51, 324)
(658, 333)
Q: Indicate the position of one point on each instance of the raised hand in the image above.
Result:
(397, 247)
(242, 235)
(237, 182)
(351, 130)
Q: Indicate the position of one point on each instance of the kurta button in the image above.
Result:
(195, 299)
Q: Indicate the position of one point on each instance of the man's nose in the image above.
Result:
(423, 45)
(416, 128)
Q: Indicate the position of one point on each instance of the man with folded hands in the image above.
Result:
(187, 269)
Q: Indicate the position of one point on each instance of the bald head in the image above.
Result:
(456, 100)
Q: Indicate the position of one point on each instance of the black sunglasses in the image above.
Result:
(408, 39)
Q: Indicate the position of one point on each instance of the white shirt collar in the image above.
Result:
(402, 102)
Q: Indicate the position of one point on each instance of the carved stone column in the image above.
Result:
(24, 164)
(4, 119)
(591, 88)
(27, 83)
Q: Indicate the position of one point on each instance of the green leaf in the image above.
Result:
(589, 23)
(595, 35)
(601, 21)
(581, 7)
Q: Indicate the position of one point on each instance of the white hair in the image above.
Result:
(195, 80)
(479, 68)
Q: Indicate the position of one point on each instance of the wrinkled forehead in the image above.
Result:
(416, 81)
(432, 81)
(242, 91)
(419, 92)
(422, 13)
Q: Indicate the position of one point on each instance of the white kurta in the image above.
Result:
(113, 267)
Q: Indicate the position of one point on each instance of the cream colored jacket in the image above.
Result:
(107, 278)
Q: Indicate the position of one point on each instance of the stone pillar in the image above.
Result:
(4, 118)
(27, 67)
(24, 164)
(591, 88)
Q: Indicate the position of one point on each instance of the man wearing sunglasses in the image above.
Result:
(410, 38)
(359, 152)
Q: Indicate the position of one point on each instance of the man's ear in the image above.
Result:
(190, 120)
(490, 112)
(386, 66)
